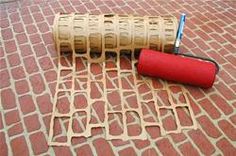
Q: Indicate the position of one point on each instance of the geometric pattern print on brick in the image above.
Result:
(113, 96)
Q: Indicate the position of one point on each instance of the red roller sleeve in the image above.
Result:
(176, 68)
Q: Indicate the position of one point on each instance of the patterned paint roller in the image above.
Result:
(184, 68)
(88, 34)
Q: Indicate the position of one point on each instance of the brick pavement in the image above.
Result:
(28, 78)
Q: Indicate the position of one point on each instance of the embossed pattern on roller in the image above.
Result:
(101, 33)
(98, 85)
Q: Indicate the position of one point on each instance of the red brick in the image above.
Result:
(202, 142)
(52, 87)
(119, 142)
(19, 146)
(30, 65)
(27, 19)
(26, 104)
(37, 83)
(233, 119)
(38, 17)
(62, 150)
(4, 23)
(194, 106)
(222, 104)
(18, 28)
(48, 38)
(55, 4)
(144, 5)
(32, 123)
(8, 99)
(165, 147)
(40, 49)
(184, 116)
(18, 73)
(196, 21)
(230, 69)
(111, 3)
(3, 14)
(47, 11)
(190, 33)
(120, 3)
(201, 44)
(31, 29)
(216, 56)
(149, 152)
(12, 117)
(44, 103)
(7, 34)
(141, 143)
(188, 43)
(195, 92)
(78, 140)
(21, 87)
(178, 137)
(38, 142)
(96, 131)
(21, 38)
(229, 47)
(127, 151)
(35, 38)
(218, 38)
(4, 79)
(228, 129)
(226, 147)
(203, 35)
(10, 46)
(209, 127)
(14, 17)
(2, 52)
(84, 150)
(45, 63)
(206, 29)
(3, 145)
(210, 108)
(225, 91)
(43, 27)
(13, 59)
(3, 64)
(230, 30)
(24, 11)
(50, 20)
(138, 11)
(225, 77)
(215, 27)
(47, 121)
(15, 129)
(50, 75)
(34, 9)
(102, 147)
(188, 149)
(229, 38)
(231, 59)
(90, 6)
(117, 11)
(81, 8)
(153, 132)
(25, 50)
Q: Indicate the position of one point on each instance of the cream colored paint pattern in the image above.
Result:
(97, 56)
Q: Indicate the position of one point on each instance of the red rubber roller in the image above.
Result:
(177, 68)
